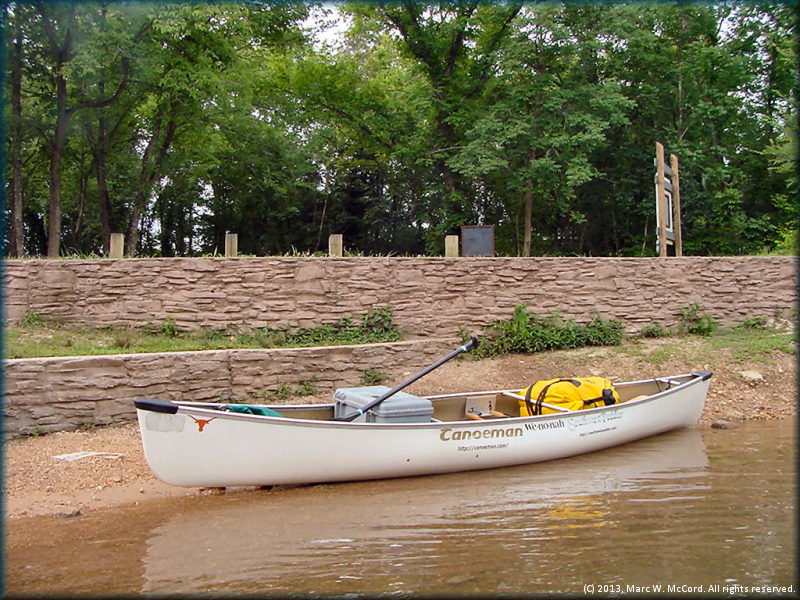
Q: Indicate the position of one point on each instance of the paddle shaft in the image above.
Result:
(473, 343)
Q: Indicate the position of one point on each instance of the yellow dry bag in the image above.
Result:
(572, 394)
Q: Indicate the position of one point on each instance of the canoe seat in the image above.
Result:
(637, 397)
(491, 414)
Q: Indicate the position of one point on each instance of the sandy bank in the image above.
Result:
(71, 473)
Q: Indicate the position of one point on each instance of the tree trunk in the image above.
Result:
(151, 167)
(16, 246)
(102, 184)
(61, 54)
(78, 222)
(99, 145)
(101, 164)
(440, 63)
(526, 245)
(54, 213)
(142, 191)
(528, 225)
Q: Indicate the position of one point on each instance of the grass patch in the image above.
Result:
(747, 344)
(375, 326)
(659, 356)
(637, 348)
(743, 343)
(526, 332)
(79, 340)
(36, 337)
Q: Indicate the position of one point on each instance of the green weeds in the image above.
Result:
(33, 431)
(528, 332)
(280, 393)
(654, 330)
(525, 332)
(306, 388)
(32, 319)
(753, 324)
(169, 328)
(694, 321)
(373, 377)
(376, 326)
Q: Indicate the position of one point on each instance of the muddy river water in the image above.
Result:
(698, 510)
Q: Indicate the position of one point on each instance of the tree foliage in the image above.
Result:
(178, 123)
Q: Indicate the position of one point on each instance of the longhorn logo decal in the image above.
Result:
(202, 422)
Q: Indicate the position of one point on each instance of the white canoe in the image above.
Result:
(204, 445)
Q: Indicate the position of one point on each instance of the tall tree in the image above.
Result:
(198, 51)
(177, 123)
(16, 241)
(546, 114)
(72, 93)
(456, 45)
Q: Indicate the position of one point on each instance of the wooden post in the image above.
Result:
(676, 205)
(117, 246)
(451, 245)
(231, 245)
(336, 245)
(661, 201)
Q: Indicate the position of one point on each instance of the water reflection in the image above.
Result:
(696, 507)
(402, 530)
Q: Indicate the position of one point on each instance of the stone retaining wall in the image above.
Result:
(430, 296)
(53, 394)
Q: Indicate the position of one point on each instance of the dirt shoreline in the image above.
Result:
(69, 474)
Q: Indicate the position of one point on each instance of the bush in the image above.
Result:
(694, 321)
(654, 331)
(527, 333)
(373, 377)
(753, 324)
(306, 388)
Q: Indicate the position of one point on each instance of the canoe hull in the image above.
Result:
(202, 447)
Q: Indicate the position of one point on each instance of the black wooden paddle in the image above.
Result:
(472, 343)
